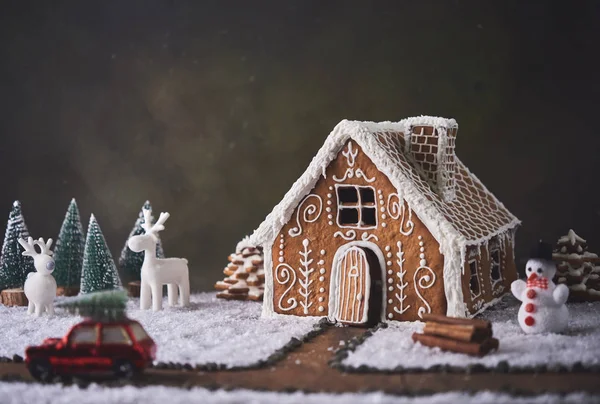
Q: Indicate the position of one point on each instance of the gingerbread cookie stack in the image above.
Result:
(245, 274)
(577, 268)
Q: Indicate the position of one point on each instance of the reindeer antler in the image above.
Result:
(158, 226)
(28, 245)
(147, 225)
(44, 247)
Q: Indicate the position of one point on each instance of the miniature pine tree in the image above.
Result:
(98, 271)
(68, 254)
(131, 262)
(14, 267)
(245, 274)
(99, 306)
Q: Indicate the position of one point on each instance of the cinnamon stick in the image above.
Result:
(438, 318)
(466, 333)
(445, 344)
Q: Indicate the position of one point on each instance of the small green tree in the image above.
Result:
(98, 271)
(99, 306)
(14, 267)
(68, 253)
(131, 262)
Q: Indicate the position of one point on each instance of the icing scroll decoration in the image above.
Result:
(310, 214)
(397, 208)
(349, 236)
(366, 237)
(305, 270)
(401, 296)
(284, 274)
(350, 155)
(426, 280)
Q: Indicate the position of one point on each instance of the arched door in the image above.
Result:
(353, 287)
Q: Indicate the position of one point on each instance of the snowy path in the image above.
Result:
(17, 393)
(210, 331)
(393, 346)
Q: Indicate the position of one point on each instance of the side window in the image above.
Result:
(474, 279)
(138, 332)
(115, 335)
(84, 335)
(496, 271)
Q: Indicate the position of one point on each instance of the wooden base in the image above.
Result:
(67, 291)
(133, 288)
(13, 297)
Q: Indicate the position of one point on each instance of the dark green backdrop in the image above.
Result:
(212, 109)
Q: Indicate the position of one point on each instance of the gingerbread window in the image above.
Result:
(356, 206)
(496, 268)
(474, 285)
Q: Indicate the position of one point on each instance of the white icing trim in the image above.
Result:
(290, 275)
(425, 282)
(402, 285)
(366, 237)
(308, 211)
(305, 270)
(333, 286)
(350, 235)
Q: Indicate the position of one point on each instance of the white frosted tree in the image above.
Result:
(14, 267)
(68, 253)
(99, 271)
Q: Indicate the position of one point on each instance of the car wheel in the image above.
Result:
(124, 369)
(41, 370)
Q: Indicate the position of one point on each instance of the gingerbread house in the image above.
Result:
(387, 224)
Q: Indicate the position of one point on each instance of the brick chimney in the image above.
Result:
(432, 148)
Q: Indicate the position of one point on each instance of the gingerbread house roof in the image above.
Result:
(472, 216)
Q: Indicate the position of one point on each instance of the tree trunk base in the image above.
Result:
(133, 288)
(67, 291)
(14, 297)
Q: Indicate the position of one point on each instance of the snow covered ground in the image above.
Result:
(18, 393)
(393, 346)
(211, 330)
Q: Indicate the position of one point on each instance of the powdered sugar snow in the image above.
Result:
(392, 347)
(211, 330)
(17, 393)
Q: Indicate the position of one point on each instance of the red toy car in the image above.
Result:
(93, 347)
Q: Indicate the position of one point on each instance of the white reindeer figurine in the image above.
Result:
(40, 286)
(157, 272)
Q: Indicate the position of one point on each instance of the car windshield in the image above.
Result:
(138, 332)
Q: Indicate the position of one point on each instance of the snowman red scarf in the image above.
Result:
(535, 281)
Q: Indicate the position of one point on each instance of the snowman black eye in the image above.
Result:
(539, 271)
(528, 269)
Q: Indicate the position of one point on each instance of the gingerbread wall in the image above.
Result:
(303, 251)
(489, 290)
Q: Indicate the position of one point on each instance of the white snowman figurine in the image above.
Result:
(543, 308)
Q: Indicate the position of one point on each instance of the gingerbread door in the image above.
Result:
(353, 287)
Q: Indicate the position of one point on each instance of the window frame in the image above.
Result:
(127, 339)
(73, 334)
(495, 249)
(359, 206)
(476, 274)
